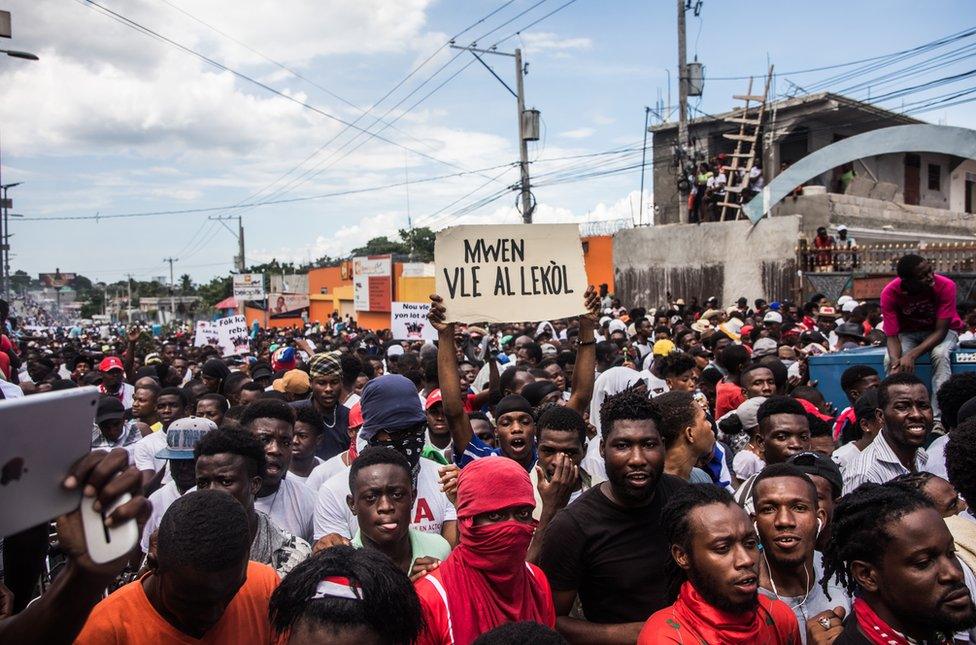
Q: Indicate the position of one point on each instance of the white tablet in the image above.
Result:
(41, 436)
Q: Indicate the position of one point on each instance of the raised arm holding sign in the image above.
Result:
(447, 368)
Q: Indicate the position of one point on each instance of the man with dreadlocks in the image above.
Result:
(890, 548)
(716, 553)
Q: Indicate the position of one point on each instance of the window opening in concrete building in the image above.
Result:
(935, 176)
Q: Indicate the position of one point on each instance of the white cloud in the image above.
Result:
(341, 241)
(540, 41)
(578, 133)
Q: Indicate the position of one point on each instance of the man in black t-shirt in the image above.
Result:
(609, 547)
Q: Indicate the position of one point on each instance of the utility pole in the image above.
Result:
(239, 234)
(172, 286)
(681, 149)
(5, 238)
(528, 121)
(128, 303)
(640, 217)
(523, 142)
(240, 244)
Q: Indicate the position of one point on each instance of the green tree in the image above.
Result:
(20, 280)
(215, 290)
(381, 246)
(419, 242)
(186, 284)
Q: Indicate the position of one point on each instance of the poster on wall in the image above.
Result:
(408, 321)
(372, 279)
(288, 305)
(507, 273)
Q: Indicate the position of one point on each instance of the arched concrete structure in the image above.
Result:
(943, 139)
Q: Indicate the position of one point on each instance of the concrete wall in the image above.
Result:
(865, 213)
(722, 259)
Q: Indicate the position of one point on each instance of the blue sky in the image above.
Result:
(111, 121)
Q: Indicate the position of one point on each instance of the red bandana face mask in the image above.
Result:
(496, 547)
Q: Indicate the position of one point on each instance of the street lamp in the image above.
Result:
(13, 53)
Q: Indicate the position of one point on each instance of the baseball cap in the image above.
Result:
(283, 358)
(813, 463)
(394, 350)
(663, 348)
(433, 399)
(851, 330)
(261, 370)
(849, 306)
(843, 300)
(292, 382)
(680, 302)
(109, 408)
(183, 435)
(356, 416)
(110, 363)
(774, 305)
(773, 317)
(153, 359)
(841, 227)
(748, 412)
(764, 347)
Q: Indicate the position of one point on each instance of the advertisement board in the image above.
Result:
(372, 278)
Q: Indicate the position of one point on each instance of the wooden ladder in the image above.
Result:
(749, 119)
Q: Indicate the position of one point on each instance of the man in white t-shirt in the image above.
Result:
(182, 437)
(171, 404)
(392, 417)
(286, 500)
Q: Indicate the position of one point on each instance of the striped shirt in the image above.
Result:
(878, 464)
(478, 449)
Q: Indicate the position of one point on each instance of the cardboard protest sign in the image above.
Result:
(510, 273)
(408, 321)
(206, 334)
(232, 334)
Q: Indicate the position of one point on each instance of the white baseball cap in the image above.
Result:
(773, 317)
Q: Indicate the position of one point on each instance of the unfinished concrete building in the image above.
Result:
(914, 199)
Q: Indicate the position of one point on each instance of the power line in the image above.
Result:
(210, 61)
(395, 87)
(956, 36)
(210, 209)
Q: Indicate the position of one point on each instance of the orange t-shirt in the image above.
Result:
(126, 616)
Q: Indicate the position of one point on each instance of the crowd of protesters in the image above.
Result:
(633, 475)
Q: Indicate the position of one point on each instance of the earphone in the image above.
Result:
(819, 526)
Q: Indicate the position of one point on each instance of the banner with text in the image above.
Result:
(510, 273)
(206, 335)
(232, 333)
(408, 321)
(372, 280)
(248, 286)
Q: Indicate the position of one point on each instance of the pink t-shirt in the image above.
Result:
(906, 313)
